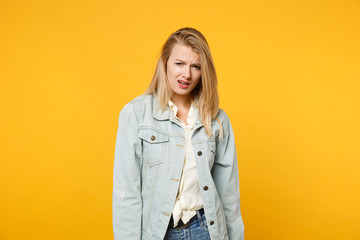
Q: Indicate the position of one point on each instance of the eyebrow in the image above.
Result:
(183, 61)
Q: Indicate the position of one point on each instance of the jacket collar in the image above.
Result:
(158, 113)
(167, 114)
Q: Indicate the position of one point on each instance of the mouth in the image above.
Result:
(183, 82)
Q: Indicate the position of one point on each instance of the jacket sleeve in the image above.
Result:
(226, 178)
(126, 201)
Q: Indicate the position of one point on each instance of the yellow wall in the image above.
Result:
(289, 78)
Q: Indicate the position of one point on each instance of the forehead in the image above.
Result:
(184, 53)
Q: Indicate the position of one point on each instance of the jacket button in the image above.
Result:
(199, 153)
(152, 138)
(206, 188)
(211, 222)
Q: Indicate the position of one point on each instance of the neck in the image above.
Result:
(183, 102)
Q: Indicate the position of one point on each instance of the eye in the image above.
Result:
(178, 63)
(197, 67)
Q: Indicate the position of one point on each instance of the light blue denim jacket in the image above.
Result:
(149, 157)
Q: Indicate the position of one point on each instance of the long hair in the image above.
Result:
(205, 94)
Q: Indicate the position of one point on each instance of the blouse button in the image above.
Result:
(206, 188)
(211, 222)
(152, 138)
(199, 153)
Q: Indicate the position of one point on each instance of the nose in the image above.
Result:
(187, 73)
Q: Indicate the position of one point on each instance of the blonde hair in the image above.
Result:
(205, 93)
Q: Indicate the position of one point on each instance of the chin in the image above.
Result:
(182, 93)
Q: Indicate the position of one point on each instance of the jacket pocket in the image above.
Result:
(154, 144)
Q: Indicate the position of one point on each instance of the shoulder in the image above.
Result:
(136, 107)
(139, 104)
(141, 101)
(221, 115)
(222, 121)
(223, 118)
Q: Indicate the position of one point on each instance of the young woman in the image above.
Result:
(175, 170)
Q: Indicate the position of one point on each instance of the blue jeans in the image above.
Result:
(197, 230)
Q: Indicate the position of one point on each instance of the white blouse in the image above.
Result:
(189, 197)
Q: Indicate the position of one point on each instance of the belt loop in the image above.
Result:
(198, 214)
(199, 218)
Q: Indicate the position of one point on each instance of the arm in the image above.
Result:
(127, 202)
(226, 178)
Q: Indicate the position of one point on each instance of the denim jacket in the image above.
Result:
(149, 157)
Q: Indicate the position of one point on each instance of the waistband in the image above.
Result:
(181, 225)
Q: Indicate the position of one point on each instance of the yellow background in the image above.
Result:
(289, 79)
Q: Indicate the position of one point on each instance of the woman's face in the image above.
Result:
(183, 70)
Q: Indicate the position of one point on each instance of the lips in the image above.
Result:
(183, 82)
